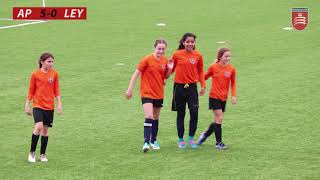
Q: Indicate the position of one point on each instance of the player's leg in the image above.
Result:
(213, 104)
(48, 121)
(218, 117)
(155, 125)
(38, 119)
(193, 105)
(44, 143)
(179, 104)
(148, 110)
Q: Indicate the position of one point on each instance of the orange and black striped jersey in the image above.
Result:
(188, 67)
(222, 77)
(153, 72)
(43, 88)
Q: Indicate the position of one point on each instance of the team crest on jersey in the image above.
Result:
(163, 66)
(50, 80)
(192, 61)
(227, 74)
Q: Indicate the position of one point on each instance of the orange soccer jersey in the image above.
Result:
(222, 77)
(188, 67)
(152, 76)
(43, 88)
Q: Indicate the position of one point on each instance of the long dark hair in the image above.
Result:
(43, 57)
(184, 37)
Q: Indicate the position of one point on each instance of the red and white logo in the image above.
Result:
(50, 80)
(192, 61)
(227, 74)
(299, 18)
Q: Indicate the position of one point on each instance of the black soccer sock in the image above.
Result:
(209, 130)
(147, 130)
(180, 123)
(193, 124)
(44, 143)
(218, 132)
(34, 142)
(155, 125)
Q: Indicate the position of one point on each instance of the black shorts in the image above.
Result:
(155, 102)
(183, 94)
(216, 104)
(45, 116)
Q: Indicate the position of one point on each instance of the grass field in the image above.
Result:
(273, 132)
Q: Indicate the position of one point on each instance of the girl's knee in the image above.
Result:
(45, 131)
(156, 116)
(149, 116)
(38, 128)
(218, 119)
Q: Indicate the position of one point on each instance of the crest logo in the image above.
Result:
(192, 61)
(227, 74)
(299, 18)
(50, 80)
(163, 66)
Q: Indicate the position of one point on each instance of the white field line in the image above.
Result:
(29, 22)
(161, 24)
(6, 19)
(10, 19)
(287, 28)
(23, 24)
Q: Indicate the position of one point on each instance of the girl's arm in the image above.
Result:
(133, 80)
(169, 68)
(27, 109)
(233, 88)
(32, 90)
(208, 74)
(59, 107)
(57, 94)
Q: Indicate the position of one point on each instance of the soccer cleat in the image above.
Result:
(181, 145)
(155, 145)
(43, 158)
(221, 146)
(32, 157)
(192, 144)
(145, 147)
(202, 138)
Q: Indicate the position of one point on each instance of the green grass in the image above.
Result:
(273, 131)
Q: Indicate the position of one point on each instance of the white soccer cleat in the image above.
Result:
(145, 147)
(155, 145)
(32, 157)
(43, 158)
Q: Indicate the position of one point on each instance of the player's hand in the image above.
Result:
(202, 91)
(27, 110)
(128, 94)
(60, 110)
(234, 100)
(170, 64)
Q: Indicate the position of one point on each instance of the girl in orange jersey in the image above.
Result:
(188, 67)
(223, 74)
(43, 88)
(154, 69)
